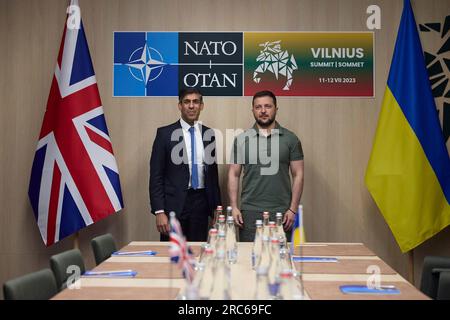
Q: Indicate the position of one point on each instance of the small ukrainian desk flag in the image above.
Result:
(298, 232)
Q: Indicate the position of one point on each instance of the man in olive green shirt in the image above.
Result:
(266, 152)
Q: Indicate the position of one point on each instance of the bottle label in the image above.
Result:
(232, 256)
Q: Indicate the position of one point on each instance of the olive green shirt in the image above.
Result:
(266, 184)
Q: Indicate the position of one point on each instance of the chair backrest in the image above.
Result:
(62, 261)
(103, 246)
(39, 285)
(430, 280)
(444, 286)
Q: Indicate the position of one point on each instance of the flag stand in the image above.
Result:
(411, 266)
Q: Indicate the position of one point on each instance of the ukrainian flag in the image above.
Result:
(298, 232)
(408, 173)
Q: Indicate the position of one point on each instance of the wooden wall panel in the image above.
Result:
(336, 133)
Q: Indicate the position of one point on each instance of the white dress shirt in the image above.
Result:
(199, 150)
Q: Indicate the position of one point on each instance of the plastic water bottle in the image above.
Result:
(264, 261)
(229, 211)
(257, 244)
(262, 284)
(206, 281)
(231, 243)
(212, 238)
(217, 213)
(274, 267)
(272, 229)
(289, 289)
(221, 287)
(221, 224)
(285, 259)
(221, 242)
(280, 230)
(266, 218)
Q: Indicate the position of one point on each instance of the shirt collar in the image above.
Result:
(186, 125)
(277, 126)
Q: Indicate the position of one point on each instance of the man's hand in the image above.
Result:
(162, 223)
(288, 220)
(237, 216)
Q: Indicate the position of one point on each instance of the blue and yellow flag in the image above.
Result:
(408, 173)
(298, 232)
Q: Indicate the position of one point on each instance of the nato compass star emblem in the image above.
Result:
(145, 64)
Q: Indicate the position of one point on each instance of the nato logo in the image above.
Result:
(145, 64)
(159, 63)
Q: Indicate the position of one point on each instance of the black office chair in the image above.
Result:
(433, 267)
(39, 285)
(60, 264)
(103, 246)
(444, 286)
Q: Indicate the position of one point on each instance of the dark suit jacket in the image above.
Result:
(169, 181)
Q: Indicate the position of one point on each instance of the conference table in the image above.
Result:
(158, 279)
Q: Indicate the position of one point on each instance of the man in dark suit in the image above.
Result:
(183, 171)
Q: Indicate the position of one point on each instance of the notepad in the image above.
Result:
(135, 253)
(314, 259)
(362, 289)
(111, 274)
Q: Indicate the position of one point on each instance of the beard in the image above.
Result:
(265, 123)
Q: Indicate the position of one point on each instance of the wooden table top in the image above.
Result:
(158, 279)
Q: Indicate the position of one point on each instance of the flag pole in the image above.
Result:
(411, 266)
(170, 259)
(302, 237)
(170, 280)
(76, 240)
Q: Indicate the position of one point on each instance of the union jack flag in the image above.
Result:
(179, 250)
(74, 179)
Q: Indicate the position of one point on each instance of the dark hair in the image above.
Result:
(265, 93)
(185, 91)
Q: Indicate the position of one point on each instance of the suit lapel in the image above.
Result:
(177, 126)
(206, 143)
